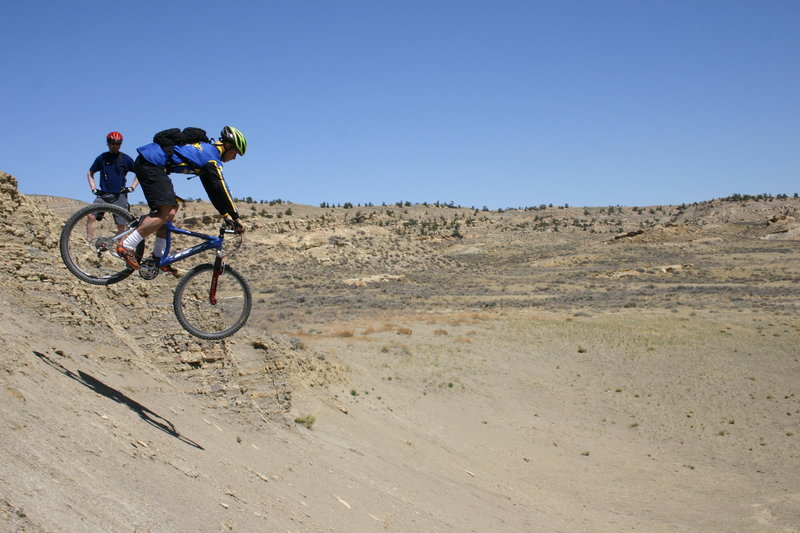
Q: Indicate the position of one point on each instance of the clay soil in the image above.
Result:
(415, 368)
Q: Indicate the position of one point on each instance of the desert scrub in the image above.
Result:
(306, 420)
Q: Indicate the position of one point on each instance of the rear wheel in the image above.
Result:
(86, 242)
(212, 314)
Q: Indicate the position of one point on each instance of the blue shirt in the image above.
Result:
(112, 169)
(203, 159)
(187, 159)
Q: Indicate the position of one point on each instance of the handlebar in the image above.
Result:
(231, 227)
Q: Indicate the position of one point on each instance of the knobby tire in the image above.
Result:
(82, 257)
(199, 316)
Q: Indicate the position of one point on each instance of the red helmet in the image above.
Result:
(114, 136)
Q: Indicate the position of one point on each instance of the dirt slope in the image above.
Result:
(466, 371)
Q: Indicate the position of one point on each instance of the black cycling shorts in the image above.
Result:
(156, 183)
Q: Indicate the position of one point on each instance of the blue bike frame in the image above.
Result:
(211, 243)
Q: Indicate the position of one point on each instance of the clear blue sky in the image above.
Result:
(498, 103)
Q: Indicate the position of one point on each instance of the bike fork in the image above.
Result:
(219, 266)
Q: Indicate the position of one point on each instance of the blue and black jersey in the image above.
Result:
(202, 159)
(187, 159)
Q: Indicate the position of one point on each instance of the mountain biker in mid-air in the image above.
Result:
(153, 167)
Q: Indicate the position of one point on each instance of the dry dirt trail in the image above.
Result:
(465, 371)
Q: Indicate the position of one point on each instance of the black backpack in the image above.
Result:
(172, 137)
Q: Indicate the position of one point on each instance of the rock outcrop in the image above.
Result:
(252, 374)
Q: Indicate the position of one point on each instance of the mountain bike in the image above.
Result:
(212, 301)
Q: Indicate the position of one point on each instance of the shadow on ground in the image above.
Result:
(149, 416)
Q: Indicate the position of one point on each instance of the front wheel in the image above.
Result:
(209, 311)
(87, 239)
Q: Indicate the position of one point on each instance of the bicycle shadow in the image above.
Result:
(149, 416)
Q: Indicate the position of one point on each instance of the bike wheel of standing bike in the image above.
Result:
(212, 313)
(86, 243)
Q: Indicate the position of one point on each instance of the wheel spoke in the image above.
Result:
(199, 316)
(86, 241)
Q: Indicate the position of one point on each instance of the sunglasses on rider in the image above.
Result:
(116, 143)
